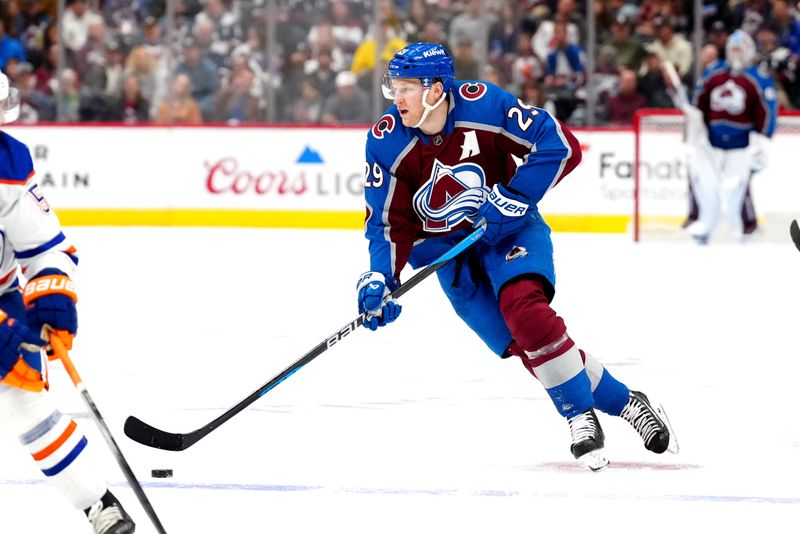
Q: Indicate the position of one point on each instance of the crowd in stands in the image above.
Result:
(121, 61)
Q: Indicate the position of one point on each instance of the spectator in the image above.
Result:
(709, 57)
(564, 73)
(623, 105)
(527, 67)
(225, 23)
(532, 94)
(322, 70)
(240, 101)
(347, 30)
(718, 36)
(544, 39)
(142, 65)
(465, 62)
(492, 75)
(212, 47)
(29, 26)
(350, 105)
(181, 108)
(35, 106)
(672, 47)
(503, 36)
(750, 15)
(149, 61)
(785, 66)
(92, 52)
(9, 47)
(442, 13)
(471, 25)
(651, 82)
(321, 38)
(418, 17)
(69, 94)
(432, 32)
(564, 62)
(203, 76)
(628, 53)
(75, 24)
(364, 57)
(46, 70)
(130, 106)
(308, 108)
(785, 24)
(651, 12)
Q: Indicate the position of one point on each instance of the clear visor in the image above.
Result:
(402, 90)
(9, 107)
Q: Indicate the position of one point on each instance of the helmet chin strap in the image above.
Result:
(428, 107)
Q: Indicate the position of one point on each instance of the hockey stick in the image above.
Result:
(794, 231)
(148, 435)
(61, 353)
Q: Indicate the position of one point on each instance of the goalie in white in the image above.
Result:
(727, 131)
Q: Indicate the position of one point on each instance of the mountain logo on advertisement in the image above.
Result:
(309, 155)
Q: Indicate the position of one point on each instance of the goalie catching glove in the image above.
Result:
(503, 213)
(372, 290)
(50, 300)
(20, 355)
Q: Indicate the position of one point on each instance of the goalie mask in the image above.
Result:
(9, 101)
(740, 51)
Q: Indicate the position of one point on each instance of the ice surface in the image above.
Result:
(418, 428)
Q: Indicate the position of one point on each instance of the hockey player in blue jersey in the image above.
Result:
(738, 104)
(31, 239)
(448, 155)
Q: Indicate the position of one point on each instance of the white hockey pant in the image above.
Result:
(719, 180)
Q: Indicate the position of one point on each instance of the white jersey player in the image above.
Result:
(31, 241)
(738, 105)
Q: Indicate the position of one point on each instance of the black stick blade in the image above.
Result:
(150, 436)
(794, 231)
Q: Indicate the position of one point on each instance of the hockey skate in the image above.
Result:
(588, 440)
(651, 423)
(108, 517)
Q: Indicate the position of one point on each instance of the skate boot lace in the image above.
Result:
(642, 418)
(102, 519)
(582, 427)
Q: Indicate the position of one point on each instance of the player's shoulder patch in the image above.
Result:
(385, 125)
(472, 90)
(16, 166)
(388, 137)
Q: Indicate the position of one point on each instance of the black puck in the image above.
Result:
(161, 473)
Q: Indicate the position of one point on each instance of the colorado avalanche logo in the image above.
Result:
(384, 126)
(450, 196)
(472, 91)
(728, 97)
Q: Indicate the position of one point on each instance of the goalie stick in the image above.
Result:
(794, 231)
(148, 435)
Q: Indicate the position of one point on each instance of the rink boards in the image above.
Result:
(294, 177)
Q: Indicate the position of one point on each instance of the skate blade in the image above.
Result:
(594, 460)
(673, 446)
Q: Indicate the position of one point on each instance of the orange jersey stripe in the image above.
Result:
(16, 182)
(50, 449)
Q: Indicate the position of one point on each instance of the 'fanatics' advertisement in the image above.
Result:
(200, 170)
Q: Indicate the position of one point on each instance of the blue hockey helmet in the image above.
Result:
(427, 62)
